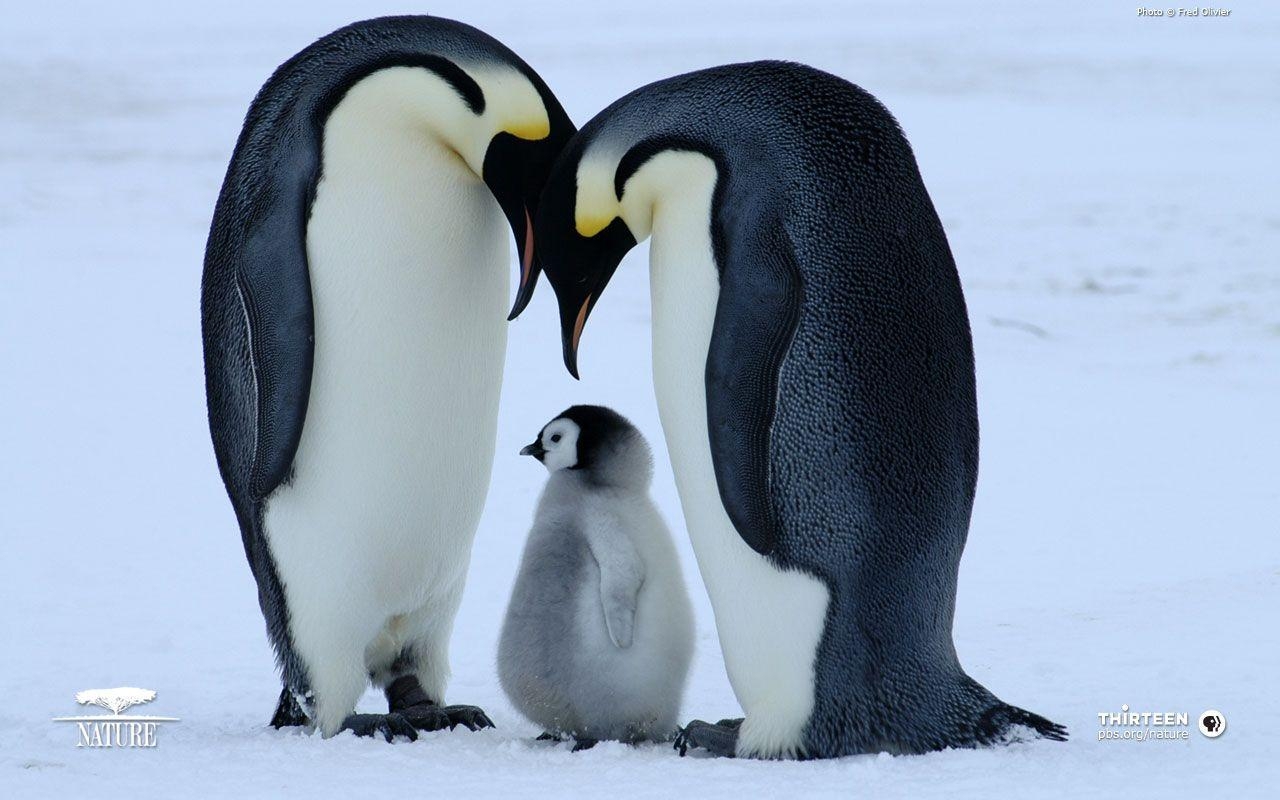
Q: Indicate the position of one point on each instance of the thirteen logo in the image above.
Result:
(116, 729)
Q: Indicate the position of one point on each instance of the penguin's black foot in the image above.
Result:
(584, 744)
(405, 696)
(388, 726)
(289, 713)
(546, 737)
(472, 717)
(431, 717)
(720, 739)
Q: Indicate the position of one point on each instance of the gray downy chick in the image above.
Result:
(599, 632)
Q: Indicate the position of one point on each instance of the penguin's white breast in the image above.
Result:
(770, 621)
(408, 259)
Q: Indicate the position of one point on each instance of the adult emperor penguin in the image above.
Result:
(814, 373)
(355, 285)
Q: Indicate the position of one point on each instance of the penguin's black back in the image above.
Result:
(827, 241)
(874, 436)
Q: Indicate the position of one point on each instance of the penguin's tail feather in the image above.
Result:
(1004, 724)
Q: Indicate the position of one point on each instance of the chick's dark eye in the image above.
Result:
(555, 438)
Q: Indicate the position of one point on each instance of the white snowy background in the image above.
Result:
(1109, 186)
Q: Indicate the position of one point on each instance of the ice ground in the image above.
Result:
(1108, 184)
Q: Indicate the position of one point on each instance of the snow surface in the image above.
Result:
(1108, 184)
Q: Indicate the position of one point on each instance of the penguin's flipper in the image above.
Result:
(257, 312)
(276, 293)
(621, 576)
(759, 307)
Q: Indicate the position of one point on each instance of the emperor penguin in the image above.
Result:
(353, 303)
(599, 631)
(813, 367)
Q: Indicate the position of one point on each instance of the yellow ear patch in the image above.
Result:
(531, 130)
(595, 204)
(589, 225)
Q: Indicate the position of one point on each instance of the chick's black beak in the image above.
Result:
(536, 450)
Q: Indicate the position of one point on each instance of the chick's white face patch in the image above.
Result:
(560, 441)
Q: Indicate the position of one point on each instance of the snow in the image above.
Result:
(1108, 186)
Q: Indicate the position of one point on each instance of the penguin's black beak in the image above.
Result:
(573, 316)
(528, 269)
(508, 165)
(581, 277)
(515, 170)
(536, 450)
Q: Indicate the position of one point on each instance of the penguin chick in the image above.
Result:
(599, 632)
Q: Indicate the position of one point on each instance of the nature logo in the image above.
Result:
(116, 729)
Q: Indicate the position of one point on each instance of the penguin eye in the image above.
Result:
(555, 438)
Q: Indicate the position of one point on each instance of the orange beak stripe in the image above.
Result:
(526, 264)
(577, 325)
